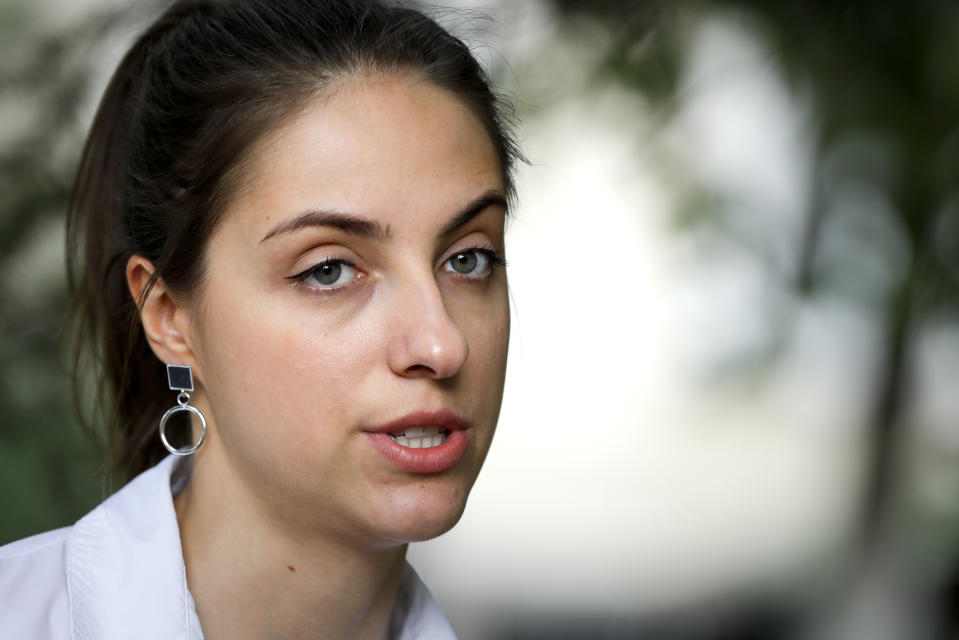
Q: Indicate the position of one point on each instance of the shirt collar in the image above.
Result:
(126, 577)
(125, 571)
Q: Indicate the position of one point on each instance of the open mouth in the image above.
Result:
(420, 437)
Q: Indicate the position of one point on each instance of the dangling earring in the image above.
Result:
(180, 378)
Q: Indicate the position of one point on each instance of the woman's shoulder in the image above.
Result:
(33, 587)
(119, 571)
(115, 573)
(48, 542)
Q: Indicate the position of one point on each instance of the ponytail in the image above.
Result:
(112, 364)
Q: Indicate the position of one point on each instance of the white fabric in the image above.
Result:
(118, 574)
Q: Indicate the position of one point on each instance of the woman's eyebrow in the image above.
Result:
(345, 222)
(474, 208)
(373, 229)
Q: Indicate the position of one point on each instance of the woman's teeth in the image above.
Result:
(420, 437)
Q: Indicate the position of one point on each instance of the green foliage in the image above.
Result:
(640, 44)
(888, 72)
(48, 467)
(880, 81)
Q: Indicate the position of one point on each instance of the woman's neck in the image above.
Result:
(251, 579)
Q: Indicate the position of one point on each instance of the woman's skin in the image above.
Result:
(294, 525)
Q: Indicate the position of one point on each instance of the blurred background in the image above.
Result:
(732, 405)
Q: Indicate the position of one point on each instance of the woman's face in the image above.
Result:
(351, 284)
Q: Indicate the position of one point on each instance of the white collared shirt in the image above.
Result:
(118, 574)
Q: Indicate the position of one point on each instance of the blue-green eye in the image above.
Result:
(468, 262)
(329, 274)
(474, 262)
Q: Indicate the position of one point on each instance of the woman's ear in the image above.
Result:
(166, 323)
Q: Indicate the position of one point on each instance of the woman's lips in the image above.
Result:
(429, 459)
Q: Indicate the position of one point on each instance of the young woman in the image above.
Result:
(299, 205)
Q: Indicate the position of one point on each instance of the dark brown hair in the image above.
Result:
(191, 96)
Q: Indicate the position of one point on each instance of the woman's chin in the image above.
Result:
(423, 513)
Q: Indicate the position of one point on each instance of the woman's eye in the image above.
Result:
(328, 274)
(474, 262)
(468, 262)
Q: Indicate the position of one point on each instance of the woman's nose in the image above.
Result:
(425, 341)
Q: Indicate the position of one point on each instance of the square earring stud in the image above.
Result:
(180, 377)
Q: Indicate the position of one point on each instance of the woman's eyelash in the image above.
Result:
(301, 277)
(496, 257)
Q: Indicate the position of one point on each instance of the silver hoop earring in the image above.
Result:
(180, 378)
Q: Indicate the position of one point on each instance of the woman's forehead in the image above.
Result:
(395, 149)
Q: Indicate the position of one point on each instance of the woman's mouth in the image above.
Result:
(421, 437)
(422, 441)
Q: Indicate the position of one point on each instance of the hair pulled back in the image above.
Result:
(191, 96)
